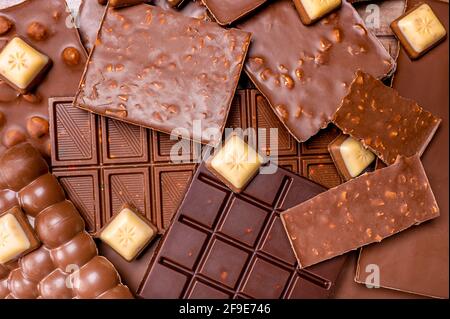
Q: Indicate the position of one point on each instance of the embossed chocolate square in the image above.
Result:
(17, 237)
(22, 66)
(311, 11)
(236, 163)
(128, 233)
(419, 30)
(349, 156)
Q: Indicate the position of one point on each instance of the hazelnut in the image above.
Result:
(37, 127)
(37, 31)
(13, 137)
(5, 25)
(71, 56)
(32, 98)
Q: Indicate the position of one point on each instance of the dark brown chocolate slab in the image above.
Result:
(362, 211)
(228, 245)
(293, 64)
(164, 71)
(228, 11)
(418, 260)
(383, 121)
(62, 79)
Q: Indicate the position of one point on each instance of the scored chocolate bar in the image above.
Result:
(417, 261)
(25, 116)
(293, 65)
(228, 245)
(164, 71)
(365, 210)
(228, 11)
(383, 121)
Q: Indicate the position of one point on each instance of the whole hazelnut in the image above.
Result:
(13, 137)
(37, 127)
(71, 56)
(37, 31)
(5, 25)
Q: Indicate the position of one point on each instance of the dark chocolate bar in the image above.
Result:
(362, 211)
(417, 261)
(228, 11)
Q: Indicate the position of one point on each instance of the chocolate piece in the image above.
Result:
(228, 245)
(51, 34)
(124, 3)
(17, 237)
(350, 156)
(292, 64)
(236, 163)
(194, 70)
(89, 19)
(22, 66)
(128, 233)
(311, 11)
(383, 121)
(365, 210)
(228, 11)
(67, 249)
(132, 164)
(417, 261)
(419, 30)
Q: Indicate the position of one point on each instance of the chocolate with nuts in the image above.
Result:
(305, 71)
(383, 121)
(162, 70)
(362, 211)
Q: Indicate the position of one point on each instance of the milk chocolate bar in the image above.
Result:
(417, 261)
(228, 245)
(419, 30)
(311, 11)
(49, 29)
(365, 210)
(383, 121)
(228, 11)
(67, 249)
(293, 64)
(186, 83)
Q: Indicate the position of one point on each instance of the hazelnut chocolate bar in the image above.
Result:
(383, 121)
(159, 69)
(305, 71)
(228, 11)
(362, 211)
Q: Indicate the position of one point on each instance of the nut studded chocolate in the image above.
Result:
(383, 121)
(365, 210)
(162, 70)
(67, 249)
(305, 71)
(228, 11)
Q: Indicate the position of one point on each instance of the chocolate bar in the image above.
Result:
(293, 64)
(89, 18)
(228, 245)
(228, 11)
(419, 30)
(25, 117)
(186, 83)
(417, 261)
(311, 11)
(365, 210)
(383, 121)
(67, 249)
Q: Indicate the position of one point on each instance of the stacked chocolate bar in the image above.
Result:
(224, 149)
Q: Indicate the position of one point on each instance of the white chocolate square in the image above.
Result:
(356, 157)
(127, 234)
(421, 28)
(13, 239)
(318, 8)
(20, 63)
(236, 162)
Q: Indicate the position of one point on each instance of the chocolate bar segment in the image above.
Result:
(293, 64)
(417, 261)
(419, 30)
(228, 11)
(365, 210)
(311, 11)
(228, 245)
(187, 82)
(383, 121)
